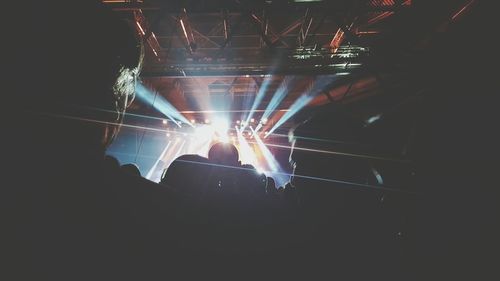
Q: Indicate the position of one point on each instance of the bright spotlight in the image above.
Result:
(221, 126)
(203, 133)
(192, 121)
(207, 121)
(168, 134)
(252, 120)
(237, 121)
(165, 121)
(263, 120)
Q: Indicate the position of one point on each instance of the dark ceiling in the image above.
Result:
(200, 50)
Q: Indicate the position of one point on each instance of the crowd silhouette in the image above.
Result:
(80, 215)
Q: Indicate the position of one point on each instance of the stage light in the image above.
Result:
(252, 120)
(207, 121)
(193, 121)
(263, 120)
(237, 121)
(165, 121)
(168, 134)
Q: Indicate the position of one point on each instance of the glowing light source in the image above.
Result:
(207, 121)
(373, 119)
(193, 121)
(252, 120)
(237, 121)
(221, 125)
(164, 121)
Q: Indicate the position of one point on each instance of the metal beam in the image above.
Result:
(288, 29)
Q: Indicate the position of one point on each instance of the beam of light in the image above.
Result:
(221, 127)
(343, 184)
(140, 28)
(277, 97)
(462, 10)
(300, 103)
(184, 30)
(226, 111)
(258, 98)
(103, 122)
(353, 155)
(373, 118)
(247, 155)
(160, 104)
(276, 170)
(151, 171)
(319, 85)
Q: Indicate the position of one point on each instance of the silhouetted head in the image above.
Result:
(188, 174)
(86, 76)
(111, 163)
(224, 154)
(131, 169)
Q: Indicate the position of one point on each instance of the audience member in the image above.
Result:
(131, 169)
(75, 217)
